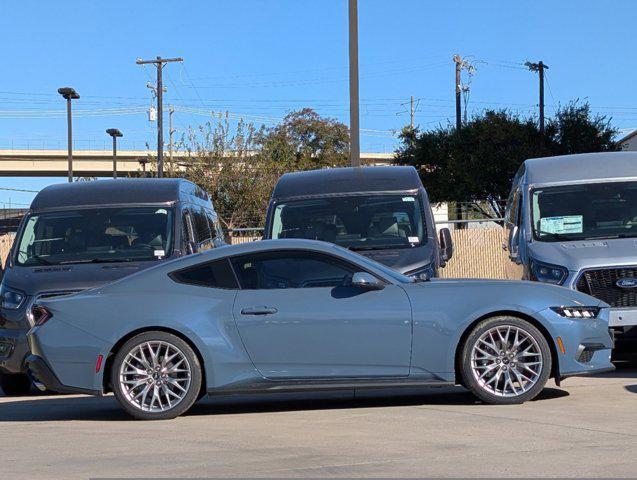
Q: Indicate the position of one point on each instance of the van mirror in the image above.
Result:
(446, 245)
(514, 243)
(366, 281)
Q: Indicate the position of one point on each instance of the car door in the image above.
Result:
(298, 318)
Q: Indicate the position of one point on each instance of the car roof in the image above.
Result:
(116, 192)
(581, 167)
(330, 181)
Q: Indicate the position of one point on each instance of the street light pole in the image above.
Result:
(354, 116)
(115, 133)
(69, 94)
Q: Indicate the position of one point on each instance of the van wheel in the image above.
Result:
(156, 376)
(505, 360)
(15, 384)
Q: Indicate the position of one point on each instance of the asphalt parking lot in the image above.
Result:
(587, 428)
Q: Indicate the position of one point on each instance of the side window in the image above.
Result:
(187, 228)
(217, 274)
(512, 215)
(213, 223)
(291, 269)
(202, 236)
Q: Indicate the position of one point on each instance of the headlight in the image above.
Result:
(11, 299)
(547, 273)
(577, 312)
(422, 274)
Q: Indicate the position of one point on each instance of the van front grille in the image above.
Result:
(602, 284)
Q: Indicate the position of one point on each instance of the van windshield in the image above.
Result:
(585, 212)
(358, 222)
(96, 236)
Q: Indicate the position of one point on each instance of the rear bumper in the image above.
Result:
(45, 379)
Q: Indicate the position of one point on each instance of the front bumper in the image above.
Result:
(45, 379)
(13, 350)
(586, 344)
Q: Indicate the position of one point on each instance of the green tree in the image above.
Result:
(240, 166)
(477, 164)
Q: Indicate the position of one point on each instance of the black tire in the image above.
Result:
(485, 393)
(191, 391)
(15, 384)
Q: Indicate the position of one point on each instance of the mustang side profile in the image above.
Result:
(302, 315)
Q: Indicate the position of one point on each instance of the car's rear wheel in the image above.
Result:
(156, 376)
(505, 360)
(15, 384)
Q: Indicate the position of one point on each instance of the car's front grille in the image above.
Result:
(602, 284)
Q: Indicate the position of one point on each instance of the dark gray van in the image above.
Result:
(572, 220)
(81, 235)
(381, 212)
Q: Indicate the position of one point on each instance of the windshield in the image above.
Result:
(585, 212)
(358, 222)
(96, 235)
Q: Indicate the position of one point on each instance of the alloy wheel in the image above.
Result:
(155, 376)
(506, 361)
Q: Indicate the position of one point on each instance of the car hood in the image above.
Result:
(577, 255)
(56, 278)
(535, 296)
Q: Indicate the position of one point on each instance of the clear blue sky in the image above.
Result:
(262, 58)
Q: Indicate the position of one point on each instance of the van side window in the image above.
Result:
(186, 228)
(202, 229)
(514, 209)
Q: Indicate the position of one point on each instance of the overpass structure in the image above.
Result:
(99, 163)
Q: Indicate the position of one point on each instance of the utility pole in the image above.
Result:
(411, 112)
(457, 59)
(159, 64)
(171, 110)
(539, 68)
(354, 116)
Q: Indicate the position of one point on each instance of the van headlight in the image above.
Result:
(422, 274)
(547, 273)
(10, 298)
(577, 312)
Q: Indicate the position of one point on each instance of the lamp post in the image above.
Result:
(115, 133)
(70, 94)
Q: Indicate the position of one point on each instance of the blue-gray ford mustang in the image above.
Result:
(300, 315)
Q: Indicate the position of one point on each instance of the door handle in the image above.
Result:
(258, 311)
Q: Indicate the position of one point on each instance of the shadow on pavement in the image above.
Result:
(623, 369)
(61, 408)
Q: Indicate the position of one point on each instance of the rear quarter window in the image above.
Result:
(217, 274)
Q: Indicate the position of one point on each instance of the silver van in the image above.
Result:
(572, 221)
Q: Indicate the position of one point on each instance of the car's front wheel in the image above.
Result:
(505, 360)
(15, 384)
(156, 376)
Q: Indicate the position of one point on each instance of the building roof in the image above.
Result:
(346, 180)
(105, 192)
(581, 167)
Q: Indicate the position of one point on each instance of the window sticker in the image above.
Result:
(560, 225)
(159, 253)
(413, 239)
(409, 199)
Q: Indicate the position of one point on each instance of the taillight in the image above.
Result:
(40, 315)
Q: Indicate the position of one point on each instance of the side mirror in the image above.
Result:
(366, 281)
(514, 243)
(446, 246)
